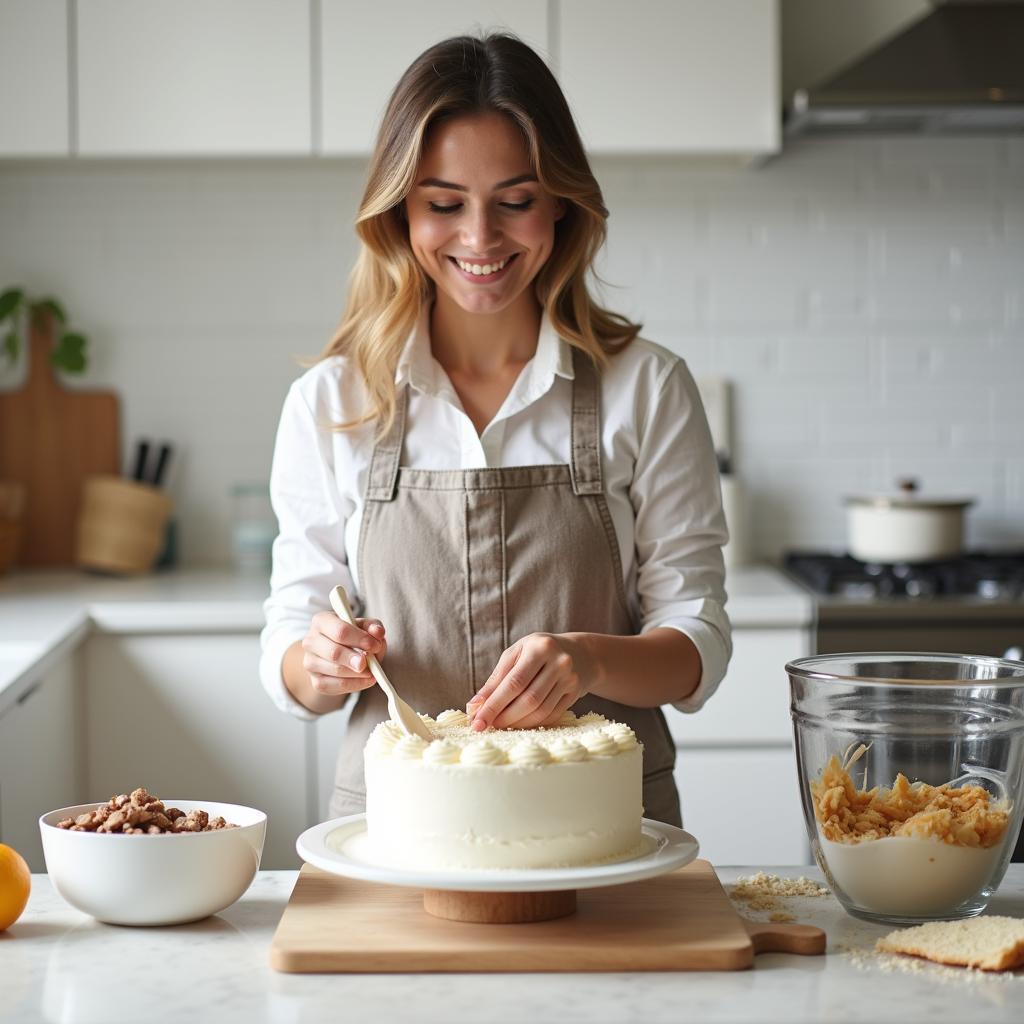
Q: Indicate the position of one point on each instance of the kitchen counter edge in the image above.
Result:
(45, 615)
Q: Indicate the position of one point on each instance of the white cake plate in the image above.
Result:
(340, 847)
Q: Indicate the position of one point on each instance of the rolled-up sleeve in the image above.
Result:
(680, 527)
(309, 552)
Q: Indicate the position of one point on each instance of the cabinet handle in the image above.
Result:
(28, 693)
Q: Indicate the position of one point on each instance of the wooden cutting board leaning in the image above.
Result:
(680, 921)
(51, 439)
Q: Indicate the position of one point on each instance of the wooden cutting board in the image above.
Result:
(51, 439)
(681, 921)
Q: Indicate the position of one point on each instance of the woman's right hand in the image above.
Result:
(334, 653)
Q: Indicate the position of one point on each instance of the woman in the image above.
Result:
(519, 491)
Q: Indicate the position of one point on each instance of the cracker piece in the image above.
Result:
(991, 943)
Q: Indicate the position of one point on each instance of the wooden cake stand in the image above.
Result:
(499, 907)
(499, 895)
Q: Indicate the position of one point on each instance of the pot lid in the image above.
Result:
(908, 495)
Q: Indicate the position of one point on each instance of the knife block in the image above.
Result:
(122, 525)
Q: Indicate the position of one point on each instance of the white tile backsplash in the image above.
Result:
(865, 296)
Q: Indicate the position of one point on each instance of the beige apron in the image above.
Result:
(459, 564)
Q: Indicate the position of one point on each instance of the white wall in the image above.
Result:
(866, 297)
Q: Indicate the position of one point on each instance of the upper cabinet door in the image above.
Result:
(194, 77)
(365, 47)
(672, 76)
(33, 78)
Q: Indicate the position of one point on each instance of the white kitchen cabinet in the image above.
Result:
(185, 716)
(672, 76)
(751, 704)
(330, 734)
(736, 769)
(364, 48)
(189, 77)
(283, 77)
(41, 754)
(33, 78)
(743, 806)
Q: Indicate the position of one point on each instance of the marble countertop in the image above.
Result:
(57, 964)
(44, 615)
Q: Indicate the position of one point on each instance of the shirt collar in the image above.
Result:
(418, 367)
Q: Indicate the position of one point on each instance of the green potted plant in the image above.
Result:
(16, 308)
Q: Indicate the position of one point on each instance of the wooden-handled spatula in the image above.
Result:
(399, 711)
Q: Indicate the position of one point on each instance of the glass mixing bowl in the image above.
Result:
(935, 718)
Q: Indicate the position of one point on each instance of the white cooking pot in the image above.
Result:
(905, 527)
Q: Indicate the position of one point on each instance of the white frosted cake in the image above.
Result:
(561, 796)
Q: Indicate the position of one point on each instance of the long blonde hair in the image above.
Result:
(387, 287)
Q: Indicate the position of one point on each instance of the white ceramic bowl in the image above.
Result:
(159, 879)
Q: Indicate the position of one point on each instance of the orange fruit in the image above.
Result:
(15, 885)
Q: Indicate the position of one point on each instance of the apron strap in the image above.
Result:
(585, 439)
(387, 452)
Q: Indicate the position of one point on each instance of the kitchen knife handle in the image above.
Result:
(141, 454)
(161, 464)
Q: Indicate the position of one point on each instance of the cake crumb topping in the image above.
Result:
(958, 815)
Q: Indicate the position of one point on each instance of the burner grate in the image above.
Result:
(993, 575)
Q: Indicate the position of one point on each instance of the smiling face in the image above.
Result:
(480, 224)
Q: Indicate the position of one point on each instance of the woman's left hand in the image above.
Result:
(535, 681)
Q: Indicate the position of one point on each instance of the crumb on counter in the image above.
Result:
(762, 891)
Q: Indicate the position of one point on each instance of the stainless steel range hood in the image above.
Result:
(959, 69)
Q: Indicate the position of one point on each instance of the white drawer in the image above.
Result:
(752, 703)
(743, 807)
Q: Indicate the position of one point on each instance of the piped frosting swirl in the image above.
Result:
(529, 754)
(624, 737)
(483, 752)
(409, 748)
(599, 743)
(384, 737)
(453, 716)
(565, 749)
(442, 752)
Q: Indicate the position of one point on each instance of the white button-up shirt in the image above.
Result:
(660, 477)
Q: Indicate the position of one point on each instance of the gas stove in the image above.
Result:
(968, 605)
(987, 576)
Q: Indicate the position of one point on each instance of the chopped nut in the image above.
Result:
(142, 814)
(114, 822)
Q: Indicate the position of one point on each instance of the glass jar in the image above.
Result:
(935, 719)
(253, 526)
